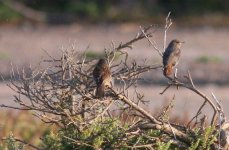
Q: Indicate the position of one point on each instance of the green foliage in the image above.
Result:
(101, 134)
(154, 133)
(52, 142)
(120, 10)
(163, 145)
(3, 56)
(8, 15)
(209, 59)
(90, 9)
(100, 6)
(204, 139)
(105, 134)
(96, 55)
(93, 55)
(23, 126)
(11, 144)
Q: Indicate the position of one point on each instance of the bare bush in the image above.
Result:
(61, 92)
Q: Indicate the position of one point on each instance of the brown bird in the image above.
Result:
(171, 56)
(102, 77)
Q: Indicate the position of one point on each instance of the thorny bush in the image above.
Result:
(61, 92)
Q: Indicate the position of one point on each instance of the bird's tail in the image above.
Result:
(100, 91)
(168, 70)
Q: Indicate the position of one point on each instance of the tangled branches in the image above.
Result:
(61, 92)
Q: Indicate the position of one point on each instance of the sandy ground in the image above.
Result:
(23, 45)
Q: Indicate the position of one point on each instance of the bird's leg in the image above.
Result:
(175, 77)
(175, 74)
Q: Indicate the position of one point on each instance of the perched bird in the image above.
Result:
(171, 56)
(102, 77)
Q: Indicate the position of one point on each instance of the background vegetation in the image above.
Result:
(121, 10)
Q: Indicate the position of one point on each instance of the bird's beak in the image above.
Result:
(182, 42)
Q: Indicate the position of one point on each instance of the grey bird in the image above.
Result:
(171, 56)
(102, 77)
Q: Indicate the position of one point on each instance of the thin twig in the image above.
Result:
(153, 43)
(168, 23)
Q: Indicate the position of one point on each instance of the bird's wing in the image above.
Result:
(166, 56)
(174, 57)
(97, 75)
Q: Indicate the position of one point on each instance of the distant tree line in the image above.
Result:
(85, 7)
(122, 10)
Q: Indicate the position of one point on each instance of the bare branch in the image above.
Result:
(153, 43)
(168, 23)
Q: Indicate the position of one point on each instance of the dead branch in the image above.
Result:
(197, 114)
(135, 106)
(192, 87)
(168, 23)
(166, 127)
(138, 37)
(153, 43)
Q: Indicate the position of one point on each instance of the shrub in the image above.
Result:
(61, 93)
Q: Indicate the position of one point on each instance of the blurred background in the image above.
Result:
(27, 28)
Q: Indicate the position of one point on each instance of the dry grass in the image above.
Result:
(23, 125)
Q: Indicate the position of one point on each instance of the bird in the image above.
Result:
(102, 77)
(171, 56)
